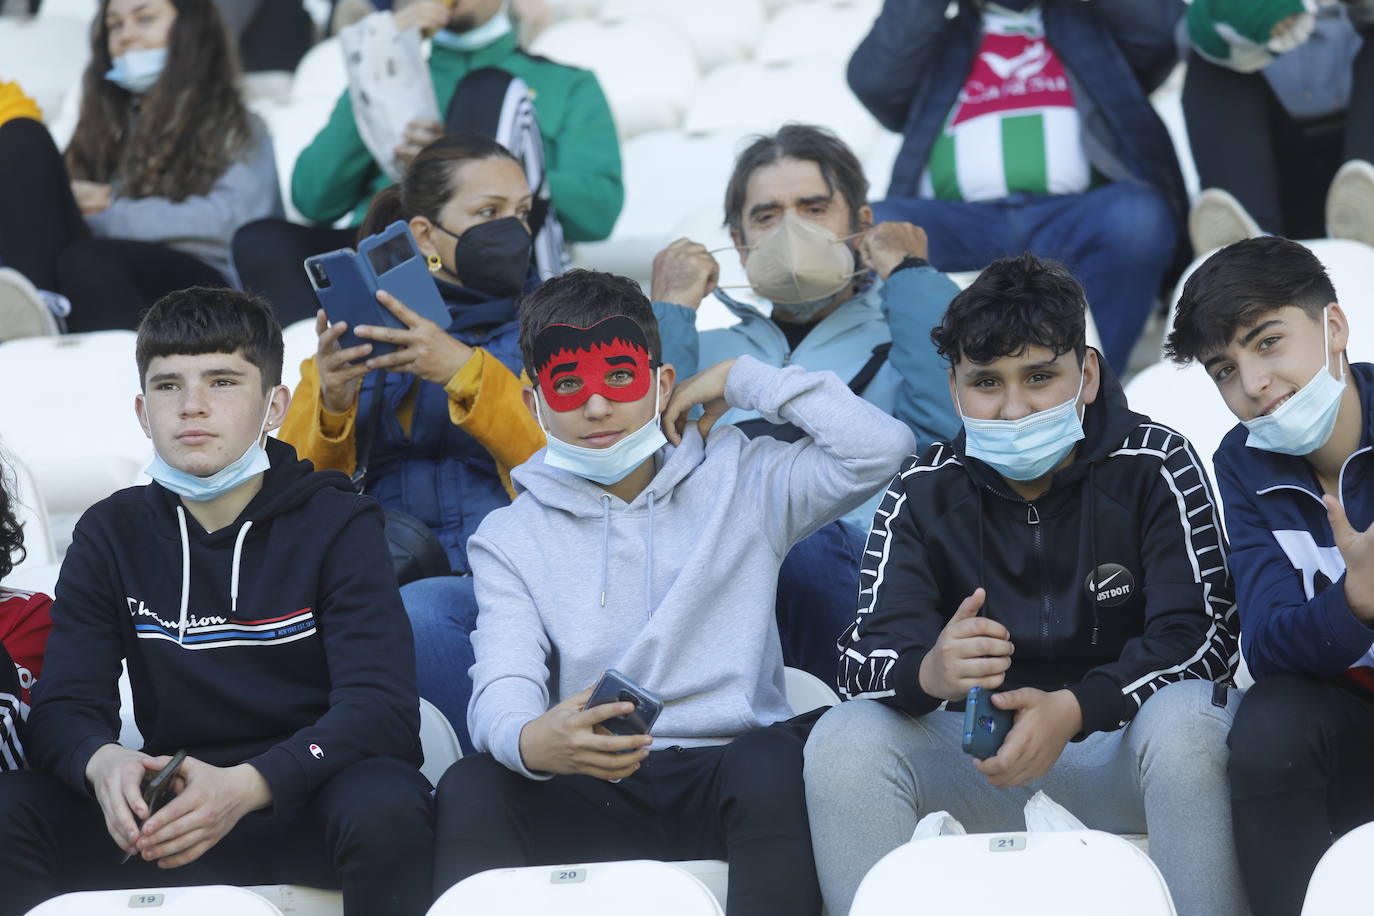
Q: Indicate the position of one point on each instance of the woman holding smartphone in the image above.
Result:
(166, 162)
(437, 423)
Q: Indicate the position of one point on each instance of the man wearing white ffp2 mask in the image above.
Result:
(840, 294)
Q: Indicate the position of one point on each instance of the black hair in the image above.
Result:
(1236, 286)
(11, 531)
(430, 181)
(187, 322)
(839, 167)
(1015, 303)
(582, 298)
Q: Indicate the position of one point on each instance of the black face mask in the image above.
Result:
(494, 257)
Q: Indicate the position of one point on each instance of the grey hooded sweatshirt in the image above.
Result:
(675, 589)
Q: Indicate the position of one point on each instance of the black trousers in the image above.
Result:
(369, 829)
(269, 255)
(1301, 753)
(110, 282)
(1244, 141)
(742, 802)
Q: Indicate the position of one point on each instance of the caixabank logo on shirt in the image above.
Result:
(1111, 584)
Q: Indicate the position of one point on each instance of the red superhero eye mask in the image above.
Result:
(610, 358)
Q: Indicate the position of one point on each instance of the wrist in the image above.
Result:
(254, 792)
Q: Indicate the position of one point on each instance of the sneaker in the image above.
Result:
(1350, 203)
(24, 310)
(1216, 220)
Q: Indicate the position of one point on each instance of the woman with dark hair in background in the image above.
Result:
(438, 430)
(166, 162)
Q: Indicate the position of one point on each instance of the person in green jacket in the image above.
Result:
(336, 174)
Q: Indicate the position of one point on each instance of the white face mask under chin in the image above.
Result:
(604, 465)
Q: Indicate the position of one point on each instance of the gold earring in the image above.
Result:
(434, 262)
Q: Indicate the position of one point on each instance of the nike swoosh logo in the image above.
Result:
(1005, 66)
(1103, 584)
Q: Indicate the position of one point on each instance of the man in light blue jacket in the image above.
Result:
(849, 296)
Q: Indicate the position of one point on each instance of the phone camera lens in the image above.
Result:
(627, 697)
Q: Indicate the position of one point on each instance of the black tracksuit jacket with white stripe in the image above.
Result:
(1113, 583)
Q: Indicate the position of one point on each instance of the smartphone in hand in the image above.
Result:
(158, 790)
(985, 726)
(615, 687)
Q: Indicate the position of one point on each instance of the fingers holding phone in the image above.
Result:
(565, 740)
(209, 801)
(340, 369)
(971, 651)
(116, 776)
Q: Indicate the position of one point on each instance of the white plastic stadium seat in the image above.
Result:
(321, 72)
(1070, 873)
(579, 890)
(45, 56)
(439, 742)
(806, 692)
(82, 11)
(209, 900)
(805, 31)
(68, 413)
(645, 67)
(720, 31)
(1340, 882)
(749, 96)
(299, 342)
(32, 512)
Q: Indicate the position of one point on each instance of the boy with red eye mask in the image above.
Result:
(646, 543)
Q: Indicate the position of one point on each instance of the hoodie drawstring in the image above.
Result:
(605, 542)
(185, 574)
(649, 563)
(234, 570)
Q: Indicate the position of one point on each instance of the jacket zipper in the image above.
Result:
(1033, 519)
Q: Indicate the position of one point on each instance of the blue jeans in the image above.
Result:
(443, 614)
(818, 588)
(1117, 239)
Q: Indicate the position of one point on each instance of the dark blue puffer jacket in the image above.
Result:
(438, 472)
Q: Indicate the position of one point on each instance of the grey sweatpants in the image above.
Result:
(873, 771)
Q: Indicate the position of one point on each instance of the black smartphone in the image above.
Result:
(615, 687)
(158, 790)
(985, 726)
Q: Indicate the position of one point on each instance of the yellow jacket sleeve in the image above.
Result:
(327, 439)
(484, 399)
(15, 104)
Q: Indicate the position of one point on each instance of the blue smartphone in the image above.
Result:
(985, 726)
(346, 284)
(615, 687)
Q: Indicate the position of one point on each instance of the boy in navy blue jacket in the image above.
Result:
(252, 600)
(1261, 316)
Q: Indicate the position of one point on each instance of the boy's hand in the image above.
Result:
(116, 776)
(706, 388)
(340, 370)
(209, 801)
(1357, 550)
(1044, 724)
(684, 274)
(971, 651)
(566, 739)
(422, 347)
(886, 245)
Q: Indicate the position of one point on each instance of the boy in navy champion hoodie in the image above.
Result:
(253, 601)
(1261, 316)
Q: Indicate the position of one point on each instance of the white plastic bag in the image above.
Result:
(1044, 814)
(938, 823)
(388, 84)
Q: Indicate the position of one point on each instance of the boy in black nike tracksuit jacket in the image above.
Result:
(253, 601)
(1064, 552)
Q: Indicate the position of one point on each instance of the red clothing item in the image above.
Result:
(25, 619)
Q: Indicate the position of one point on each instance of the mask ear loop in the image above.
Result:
(1326, 344)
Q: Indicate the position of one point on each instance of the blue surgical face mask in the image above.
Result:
(1028, 448)
(136, 71)
(1304, 422)
(605, 465)
(252, 462)
(497, 26)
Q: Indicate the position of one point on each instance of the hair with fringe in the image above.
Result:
(1237, 286)
(179, 137)
(1015, 303)
(840, 168)
(582, 298)
(188, 322)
